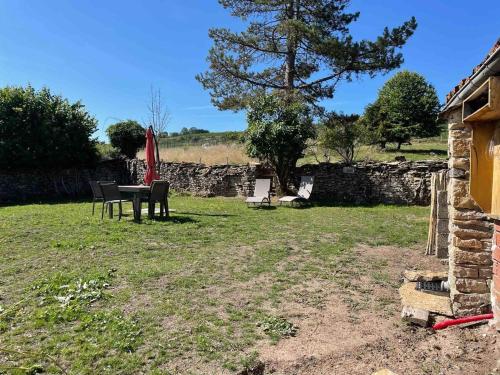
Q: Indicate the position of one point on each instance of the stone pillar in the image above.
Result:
(470, 263)
(495, 285)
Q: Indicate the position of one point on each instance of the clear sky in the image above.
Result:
(108, 53)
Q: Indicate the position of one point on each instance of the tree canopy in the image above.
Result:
(41, 130)
(278, 130)
(127, 136)
(407, 106)
(343, 134)
(294, 45)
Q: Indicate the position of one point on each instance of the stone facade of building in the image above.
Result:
(495, 287)
(470, 239)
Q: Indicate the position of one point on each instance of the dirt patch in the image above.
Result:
(356, 329)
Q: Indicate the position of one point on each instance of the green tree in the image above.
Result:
(41, 130)
(127, 136)
(278, 130)
(407, 106)
(343, 134)
(294, 45)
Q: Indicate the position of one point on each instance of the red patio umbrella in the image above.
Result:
(150, 158)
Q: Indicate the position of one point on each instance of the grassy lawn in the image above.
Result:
(92, 297)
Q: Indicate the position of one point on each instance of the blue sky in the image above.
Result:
(108, 53)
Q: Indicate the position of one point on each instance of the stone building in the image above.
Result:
(472, 112)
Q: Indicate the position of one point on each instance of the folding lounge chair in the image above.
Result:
(261, 194)
(304, 193)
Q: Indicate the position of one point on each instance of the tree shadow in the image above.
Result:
(303, 206)
(419, 152)
(47, 201)
(263, 207)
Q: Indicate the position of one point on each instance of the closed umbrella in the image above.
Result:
(150, 158)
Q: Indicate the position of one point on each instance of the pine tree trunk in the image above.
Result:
(291, 51)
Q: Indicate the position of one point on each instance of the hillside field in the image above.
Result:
(227, 148)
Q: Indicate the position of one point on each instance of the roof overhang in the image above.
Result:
(491, 67)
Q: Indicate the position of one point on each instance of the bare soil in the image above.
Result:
(358, 330)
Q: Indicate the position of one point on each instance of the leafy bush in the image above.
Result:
(42, 130)
(127, 136)
(106, 151)
(277, 327)
(342, 134)
(278, 130)
(407, 106)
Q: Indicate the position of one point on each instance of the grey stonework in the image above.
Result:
(372, 183)
(364, 183)
(40, 185)
(201, 180)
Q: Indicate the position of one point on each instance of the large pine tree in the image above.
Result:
(294, 45)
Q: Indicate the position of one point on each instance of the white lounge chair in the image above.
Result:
(261, 193)
(304, 193)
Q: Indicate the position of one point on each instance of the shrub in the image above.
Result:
(127, 136)
(106, 151)
(42, 130)
(278, 130)
(342, 134)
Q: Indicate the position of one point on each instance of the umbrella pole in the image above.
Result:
(157, 151)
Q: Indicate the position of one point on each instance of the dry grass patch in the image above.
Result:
(210, 155)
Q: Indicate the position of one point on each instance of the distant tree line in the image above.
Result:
(188, 131)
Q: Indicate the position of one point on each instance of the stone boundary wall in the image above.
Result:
(200, 179)
(372, 183)
(38, 185)
(364, 183)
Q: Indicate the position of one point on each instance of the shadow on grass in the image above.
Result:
(202, 214)
(262, 207)
(170, 219)
(50, 201)
(418, 152)
(176, 219)
(357, 205)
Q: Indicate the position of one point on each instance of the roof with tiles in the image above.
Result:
(465, 81)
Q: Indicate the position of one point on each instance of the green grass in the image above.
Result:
(213, 138)
(435, 148)
(94, 297)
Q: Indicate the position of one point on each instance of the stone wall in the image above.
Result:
(200, 179)
(371, 183)
(26, 186)
(495, 287)
(470, 231)
(365, 183)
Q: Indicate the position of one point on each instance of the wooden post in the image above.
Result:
(431, 243)
(437, 240)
